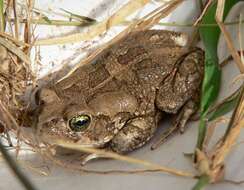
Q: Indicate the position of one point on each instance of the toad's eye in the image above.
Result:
(79, 123)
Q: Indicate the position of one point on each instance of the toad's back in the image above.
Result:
(136, 64)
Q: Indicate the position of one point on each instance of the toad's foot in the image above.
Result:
(179, 123)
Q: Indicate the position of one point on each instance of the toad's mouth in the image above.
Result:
(50, 132)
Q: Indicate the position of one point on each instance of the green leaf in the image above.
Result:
(223, 109)
(225, 106)
(212, 72)
(202, 182)
(201, 132)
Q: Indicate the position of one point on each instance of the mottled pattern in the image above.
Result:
(125, 90)
(132, 55)
(182, 84)
(98, 75)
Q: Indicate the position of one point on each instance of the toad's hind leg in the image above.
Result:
(179, 92)
(179, 122)
(134, 134)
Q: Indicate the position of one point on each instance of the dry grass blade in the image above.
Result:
(74, 167)
(124, 158)
(16, 21)
(27, 27)
(43, 21)
(30, 167)
(222, 152)
(155, 16)
(233, 51)
(220, 10)
(238, 78)
(7, 117)
(12, 125)
(17, 42)
(240, 38)
(15, 50)
(99, 28)
(203, 12)
(231, 47)
(211, 129)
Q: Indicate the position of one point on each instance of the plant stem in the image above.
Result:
(2, 21)
(202, 182)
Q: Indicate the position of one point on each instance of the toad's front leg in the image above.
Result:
(134, 134)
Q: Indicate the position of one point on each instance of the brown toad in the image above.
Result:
(116, 101)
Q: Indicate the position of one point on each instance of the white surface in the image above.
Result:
(170, 154)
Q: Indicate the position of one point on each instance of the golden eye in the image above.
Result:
(79, 123)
